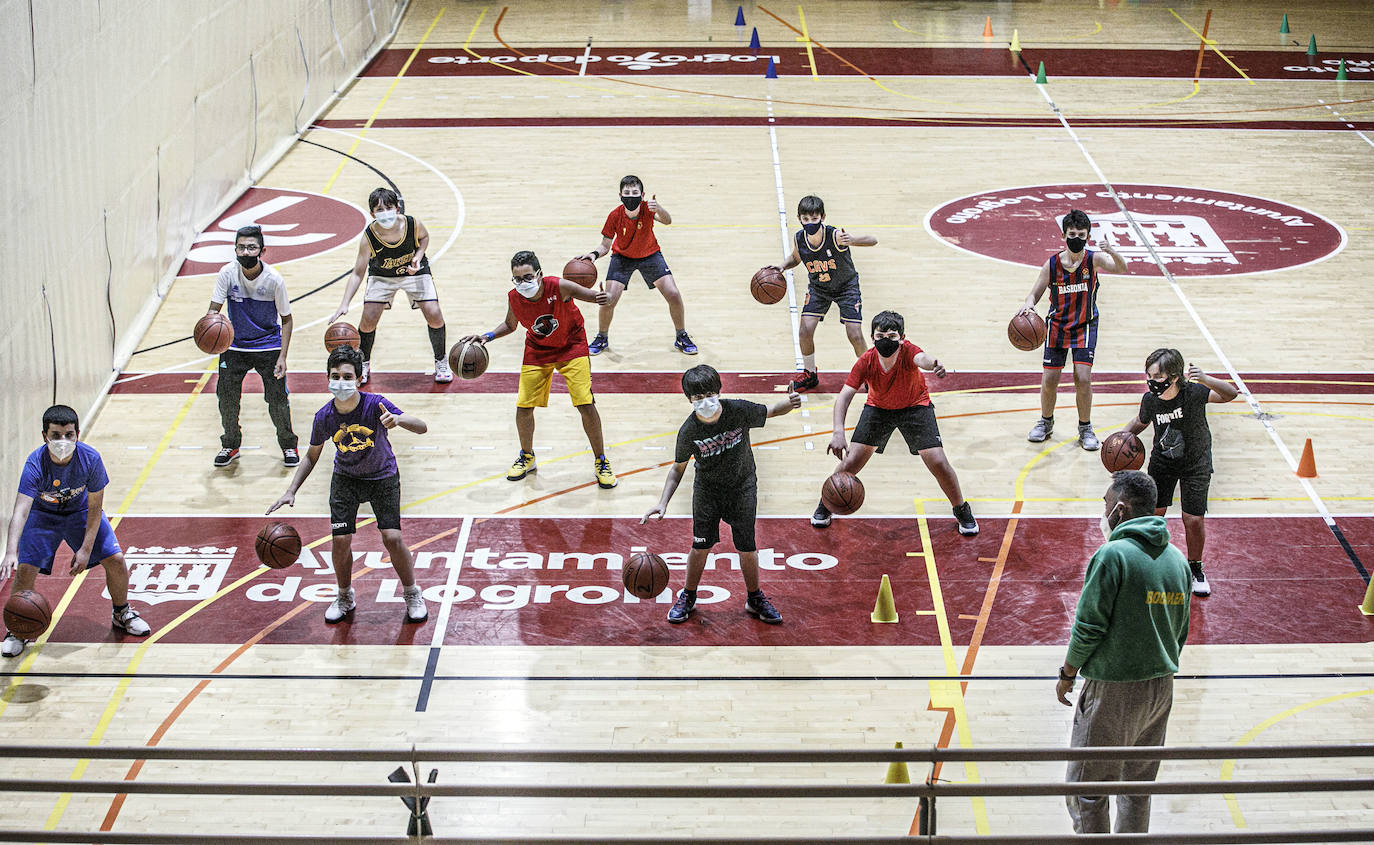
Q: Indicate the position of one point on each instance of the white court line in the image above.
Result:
(460, 550)
(1197, 318)
(457, 228)
(586, 57)
(1346, 121)
(786, 237)
(1094, 516)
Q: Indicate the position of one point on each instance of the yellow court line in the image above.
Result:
(1090, 34)
(1228, 767)
(1211, 45)
(1197, 86)
(927, 33)
(405, 67)
(810, 55)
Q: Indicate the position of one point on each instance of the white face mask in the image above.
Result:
(61, 449)
(386, 219)
(1106, 525)
(707, 408)
(343, 389)
(530, 288)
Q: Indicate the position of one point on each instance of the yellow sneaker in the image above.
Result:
(523, 466)
(605, 476)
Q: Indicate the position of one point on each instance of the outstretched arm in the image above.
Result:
(670, 484)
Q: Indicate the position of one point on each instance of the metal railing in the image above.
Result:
(417, 793)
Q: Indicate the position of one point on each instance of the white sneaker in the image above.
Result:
(1200, 585)
(442, 374)
(416, 611)
(340, 607)
(130, 621)
(367, 372)
(13, 646)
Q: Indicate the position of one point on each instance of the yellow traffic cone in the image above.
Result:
(896, 770)
(1368, 607)
(1015, 41)
(884, 610)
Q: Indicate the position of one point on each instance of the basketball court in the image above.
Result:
(1246, 167)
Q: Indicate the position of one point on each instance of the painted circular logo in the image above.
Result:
(1192, 231)
(295, 224)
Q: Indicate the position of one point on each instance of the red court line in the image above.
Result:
(1202, 47)
(1313, 125)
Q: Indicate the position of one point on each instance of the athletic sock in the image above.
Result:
(809, 362)
(1048, 419)
(120, 608)
(754, 594)
(1081, 423)
(437, 339)
(365, 346)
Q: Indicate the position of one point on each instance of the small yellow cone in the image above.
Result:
(896, 770)
(884, 610)
(1307, 464)
(1015, 41)
(1368, 607)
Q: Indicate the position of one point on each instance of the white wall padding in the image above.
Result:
(128, 126)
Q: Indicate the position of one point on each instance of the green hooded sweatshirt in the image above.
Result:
(1132, 617)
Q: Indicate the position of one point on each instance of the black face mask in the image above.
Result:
(1076, 244)
(1157, 387)
(886, 345)
(811, 228)
(631, 203)
(247, 262)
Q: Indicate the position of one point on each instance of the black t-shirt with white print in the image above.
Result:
(1183, 441)
(725, 461)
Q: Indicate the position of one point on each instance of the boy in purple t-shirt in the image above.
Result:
(364, 471)
(60, 495)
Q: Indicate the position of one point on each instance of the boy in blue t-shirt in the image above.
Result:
(60, 495)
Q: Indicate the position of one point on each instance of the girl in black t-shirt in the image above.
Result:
(1182, 451)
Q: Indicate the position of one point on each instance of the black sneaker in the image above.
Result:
(806, 380)
(683, 607)
(821, 518)
(762, 609)
(291, 457)
(968, 526)
(226, 457)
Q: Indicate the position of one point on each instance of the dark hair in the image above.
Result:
(886, 321)
(1136, 491)
(384, 196)
(701, 379)
(345, 355)
(1169, 360)
(811, 204)
(1078, 220)
(631, 181)
(254, 232)
(60, 415)
(526, 257)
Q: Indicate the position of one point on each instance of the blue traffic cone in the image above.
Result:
(739, 16)
(754, 40)
(772, 72)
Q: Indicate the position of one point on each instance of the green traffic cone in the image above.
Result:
(1040, 75)
(1283, 27)
(1312, 46)
(1340, 72)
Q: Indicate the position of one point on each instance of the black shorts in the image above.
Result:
(916, 423)
(651, 269)
(818, 301)
(347, 492)
(1193, 487)
(737, 507)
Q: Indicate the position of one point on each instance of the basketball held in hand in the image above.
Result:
(342, 334)
(842, 493)
(580, 270)
(468, 360)
(1122, 450)
(1026, 331)
(768, 286)
(214, 333)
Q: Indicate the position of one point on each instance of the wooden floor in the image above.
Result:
(527, 155)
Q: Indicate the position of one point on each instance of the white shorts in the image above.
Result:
(418, 288)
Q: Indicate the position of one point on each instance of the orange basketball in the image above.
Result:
(468, 360)
(278, 545)
(1122, 450)
(214, 333)
(1026, 331)
(842, 493)
(342, 334)
(580, 270)
(27, 614)
(768, 285)
(645, 575)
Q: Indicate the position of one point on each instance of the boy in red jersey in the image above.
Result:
(1071, 323)
(629, 238)
(897, 399)
(555, 339)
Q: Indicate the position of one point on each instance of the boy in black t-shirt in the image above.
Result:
(726, 486)
(1182, 450)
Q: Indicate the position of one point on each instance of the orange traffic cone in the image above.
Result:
(987, 27)
(1307, 465)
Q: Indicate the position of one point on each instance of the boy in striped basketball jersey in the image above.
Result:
(1071, 325)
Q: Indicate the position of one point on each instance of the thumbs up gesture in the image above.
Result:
(843, 238)
(653, 204)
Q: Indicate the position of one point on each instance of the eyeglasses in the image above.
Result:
(247, 249)
(528, 277)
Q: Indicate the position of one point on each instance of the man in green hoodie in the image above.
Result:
(1131, 623)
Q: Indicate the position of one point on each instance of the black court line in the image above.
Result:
(422, 701)
(1349, 550)
(429, 677)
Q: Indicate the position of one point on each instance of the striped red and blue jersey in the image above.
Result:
(1072, 321)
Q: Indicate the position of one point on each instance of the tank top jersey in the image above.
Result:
(1073, 303)
(829, 266)
(554, 330)
(388, 259)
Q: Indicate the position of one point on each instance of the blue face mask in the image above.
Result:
(811, 228)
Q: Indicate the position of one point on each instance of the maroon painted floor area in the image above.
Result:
(994, 59)
(523, 582)
(740, 383)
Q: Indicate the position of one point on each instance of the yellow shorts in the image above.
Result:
(536, 379)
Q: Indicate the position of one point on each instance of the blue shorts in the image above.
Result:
(45, 531)
(651, 269)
